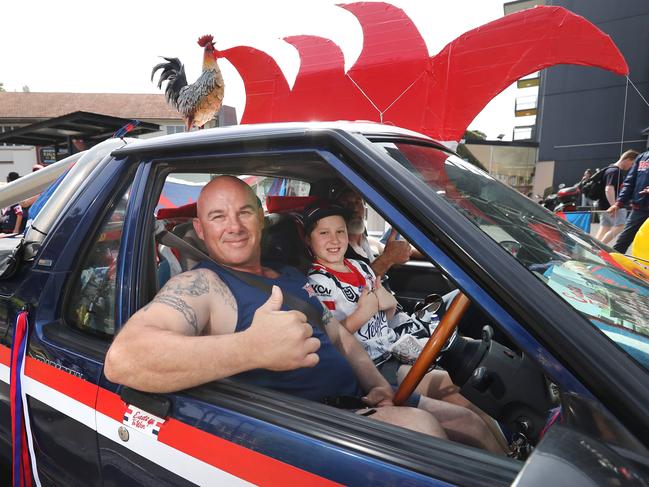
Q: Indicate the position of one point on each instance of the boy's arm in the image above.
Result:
(366, 372)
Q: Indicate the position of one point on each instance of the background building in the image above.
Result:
(83, 118)
(580, 118)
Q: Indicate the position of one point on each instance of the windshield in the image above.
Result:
(600, 285)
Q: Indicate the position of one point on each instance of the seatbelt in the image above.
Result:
(314, 318)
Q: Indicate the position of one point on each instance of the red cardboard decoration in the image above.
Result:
(395, 81)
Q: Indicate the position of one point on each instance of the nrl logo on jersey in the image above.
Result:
(350, 294)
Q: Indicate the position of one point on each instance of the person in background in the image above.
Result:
(394, 252)
(584, 200)
(12, 216)
(26, 204)
(635, 191)
(611, 224)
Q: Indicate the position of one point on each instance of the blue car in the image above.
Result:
(553, 343)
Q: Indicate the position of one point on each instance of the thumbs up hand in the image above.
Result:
(396, 251)
(281, 340)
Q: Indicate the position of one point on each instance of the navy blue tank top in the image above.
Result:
(332, 376)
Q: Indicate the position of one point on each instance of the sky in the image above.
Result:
(102, 47)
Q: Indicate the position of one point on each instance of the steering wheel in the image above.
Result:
(432, 349)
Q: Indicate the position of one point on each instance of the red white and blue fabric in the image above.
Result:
(581, 219)
(23, 454)
(123, 131)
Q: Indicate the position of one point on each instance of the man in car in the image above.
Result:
(394, 252)
(206, 325)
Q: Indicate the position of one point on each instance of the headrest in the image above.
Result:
(185, 211)
(284, 204)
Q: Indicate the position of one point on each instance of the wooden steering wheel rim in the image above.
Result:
(432, 349)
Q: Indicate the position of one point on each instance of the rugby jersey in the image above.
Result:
(340, 292)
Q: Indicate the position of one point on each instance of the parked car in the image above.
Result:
(554, 346)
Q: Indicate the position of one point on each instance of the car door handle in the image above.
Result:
(155, 404)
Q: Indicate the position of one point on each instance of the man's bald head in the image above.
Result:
(225, 183)
(229, 219)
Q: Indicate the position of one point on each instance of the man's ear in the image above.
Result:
(198, 228)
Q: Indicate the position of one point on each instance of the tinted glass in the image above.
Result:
(92, 307)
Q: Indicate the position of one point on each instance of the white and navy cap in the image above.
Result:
(320, 209)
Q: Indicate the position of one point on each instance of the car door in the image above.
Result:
(65, 353)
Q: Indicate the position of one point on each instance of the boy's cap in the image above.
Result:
(320, 209)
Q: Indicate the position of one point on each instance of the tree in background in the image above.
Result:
(2, 88)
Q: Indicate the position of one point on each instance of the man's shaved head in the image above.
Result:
(225, 181)
(229, 219)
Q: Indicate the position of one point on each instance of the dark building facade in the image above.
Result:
(581, 110)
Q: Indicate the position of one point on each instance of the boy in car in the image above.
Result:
(353, 293)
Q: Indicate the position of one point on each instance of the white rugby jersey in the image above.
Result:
(340, 291)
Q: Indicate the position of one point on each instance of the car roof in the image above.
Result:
(248, 131)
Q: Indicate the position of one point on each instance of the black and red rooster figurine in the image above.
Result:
(200, 101)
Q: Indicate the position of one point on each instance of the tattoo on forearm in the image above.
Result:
(181, 306)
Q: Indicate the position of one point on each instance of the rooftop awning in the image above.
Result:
(90, 127)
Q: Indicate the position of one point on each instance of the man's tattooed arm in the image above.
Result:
(179, 305)
(192, 285)
(195, 283)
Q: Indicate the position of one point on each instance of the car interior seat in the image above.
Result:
(188, 234)
(283, 237)
(282, 241)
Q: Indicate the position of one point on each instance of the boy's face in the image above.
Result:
(328, 240)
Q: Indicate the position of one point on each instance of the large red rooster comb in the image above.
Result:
(396, 81)
(205, 40)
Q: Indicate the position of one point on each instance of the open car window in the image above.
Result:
(411, 284)
(570, 262)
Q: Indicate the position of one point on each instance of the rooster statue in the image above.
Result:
(199, 101)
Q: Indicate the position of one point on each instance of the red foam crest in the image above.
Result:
(396, 81)
(205, 40)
